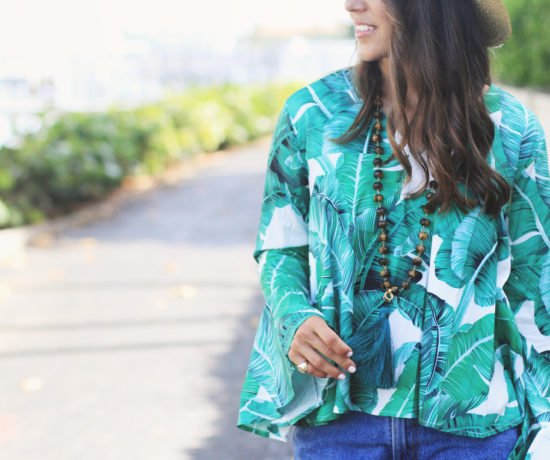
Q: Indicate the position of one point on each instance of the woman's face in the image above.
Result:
(372, 44)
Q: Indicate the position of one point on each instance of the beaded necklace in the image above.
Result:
(372, 344)
(413, 274)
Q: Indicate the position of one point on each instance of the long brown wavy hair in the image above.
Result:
(438, 50)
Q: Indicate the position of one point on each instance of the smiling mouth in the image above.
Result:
(364, 28)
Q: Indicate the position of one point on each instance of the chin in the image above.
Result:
(370, 55)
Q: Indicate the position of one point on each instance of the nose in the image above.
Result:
(355, 5)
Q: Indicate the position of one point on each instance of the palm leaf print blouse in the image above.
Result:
(471, 338)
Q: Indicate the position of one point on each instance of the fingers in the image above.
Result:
(341, 360)
(298, 358)
(333, 341)
(315, 342)
(315, 359)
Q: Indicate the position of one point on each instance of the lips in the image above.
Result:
(362, 29)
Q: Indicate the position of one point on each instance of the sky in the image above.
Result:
(49, 28)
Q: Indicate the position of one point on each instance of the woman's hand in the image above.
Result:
(313, 339)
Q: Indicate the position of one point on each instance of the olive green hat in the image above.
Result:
(494, 21)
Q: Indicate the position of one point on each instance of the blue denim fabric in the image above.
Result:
(359, 435)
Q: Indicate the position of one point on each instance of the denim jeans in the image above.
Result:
(359, 435)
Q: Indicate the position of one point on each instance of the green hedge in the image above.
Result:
(524, 60)
(81, 157)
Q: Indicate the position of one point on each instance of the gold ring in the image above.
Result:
(302, 367)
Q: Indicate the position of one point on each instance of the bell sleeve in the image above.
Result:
(274, 395)
(282, 239)
(528, 291)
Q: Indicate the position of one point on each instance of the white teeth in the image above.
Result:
(363, 28)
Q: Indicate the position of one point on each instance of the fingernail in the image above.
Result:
(349, 354)
(341, 376)
(352, 369)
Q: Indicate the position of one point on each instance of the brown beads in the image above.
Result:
(415, 275)
(381, 223)
(385, 285)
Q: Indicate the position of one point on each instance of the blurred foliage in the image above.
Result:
(524, 59)
(81, 157)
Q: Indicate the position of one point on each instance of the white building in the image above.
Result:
(143, 68)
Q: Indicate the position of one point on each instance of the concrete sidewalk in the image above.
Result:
(129, 338)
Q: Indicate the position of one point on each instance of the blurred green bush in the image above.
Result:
(524, 60)
(80, 157)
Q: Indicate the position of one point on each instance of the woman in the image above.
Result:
(403, 251)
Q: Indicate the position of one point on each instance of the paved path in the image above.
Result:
(128, 339)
